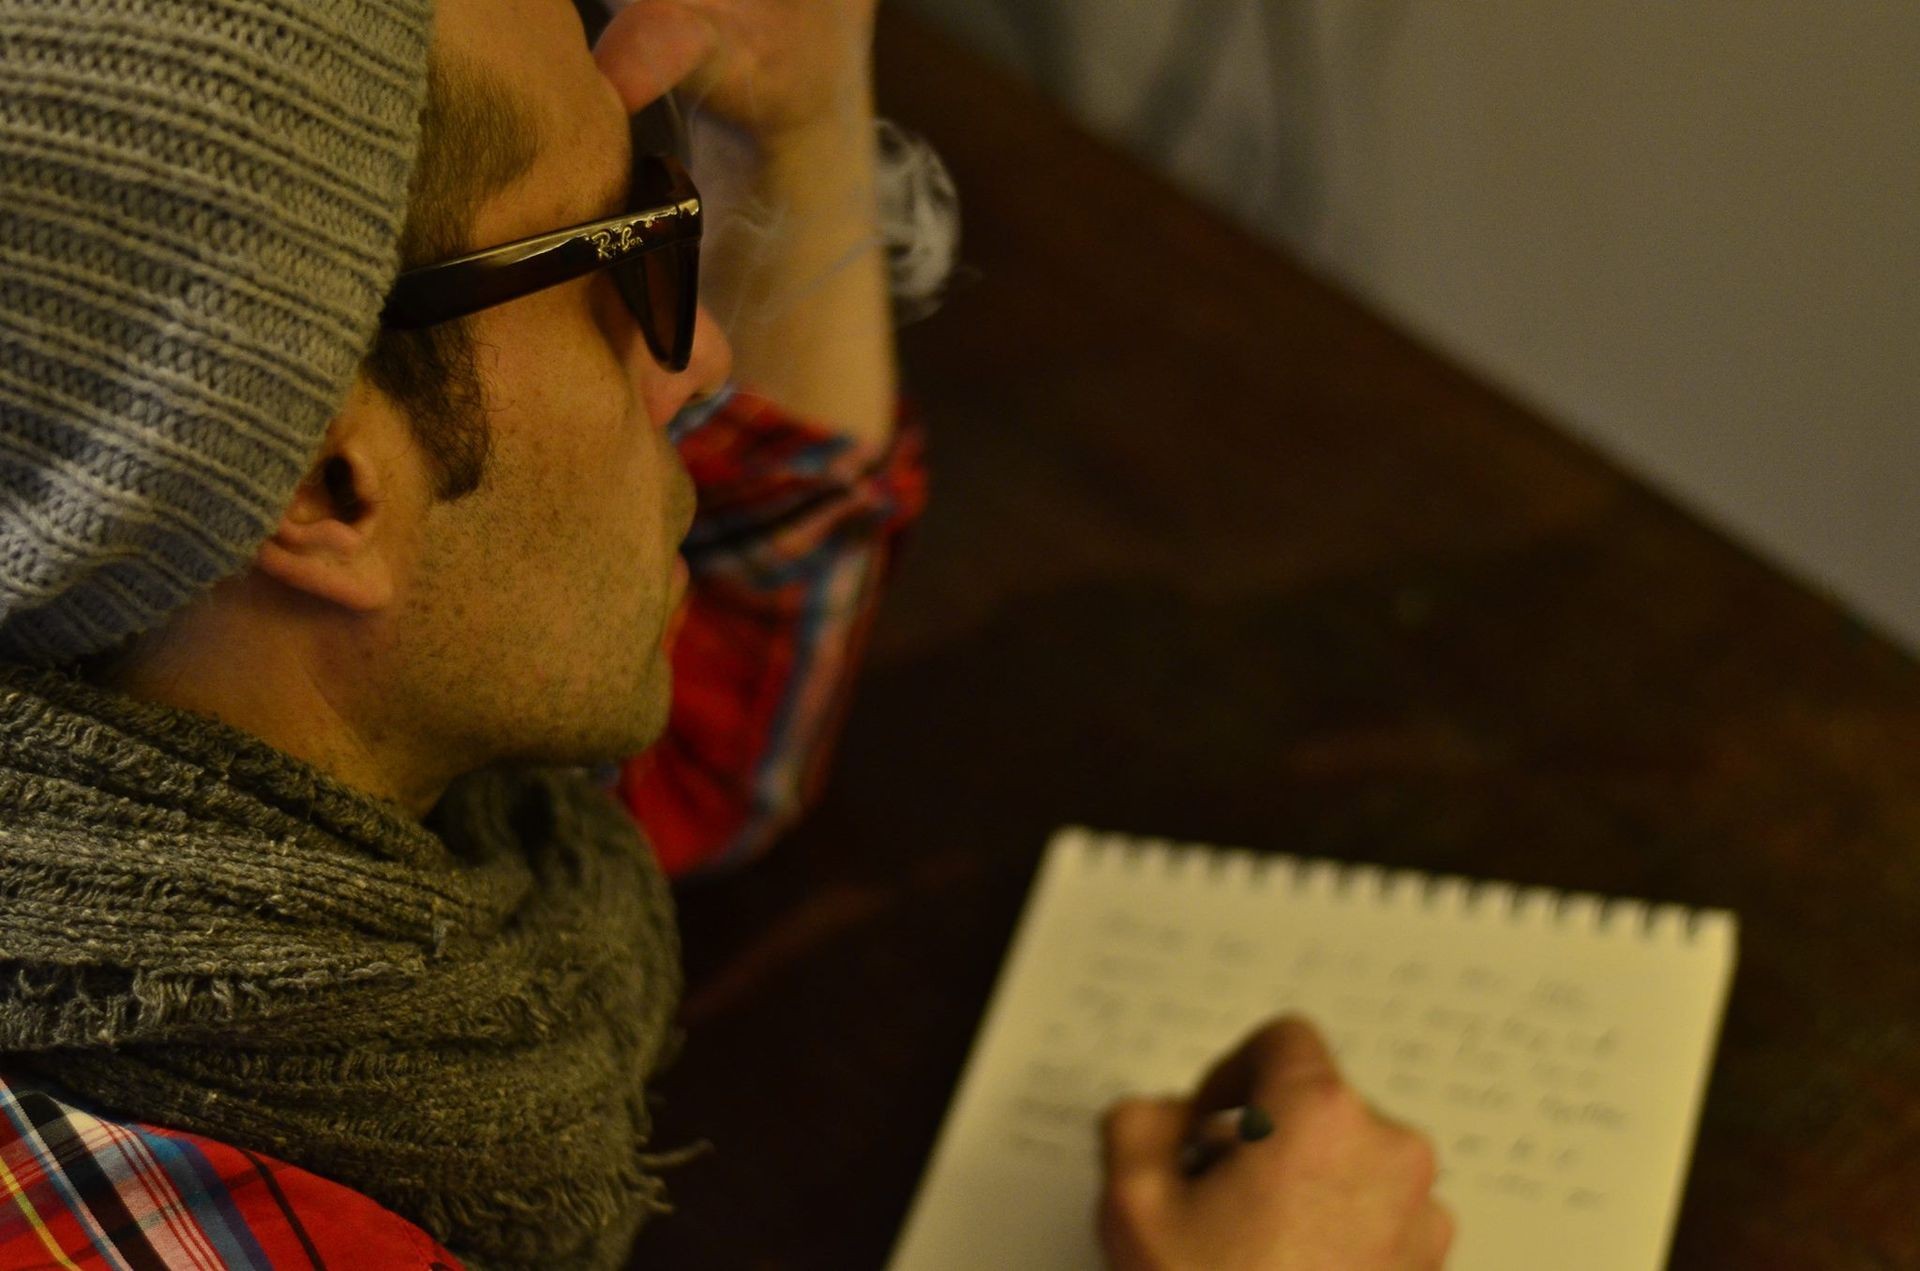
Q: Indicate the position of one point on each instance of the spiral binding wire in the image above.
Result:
(1375, 886)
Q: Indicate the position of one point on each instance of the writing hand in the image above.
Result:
(1335, 1185)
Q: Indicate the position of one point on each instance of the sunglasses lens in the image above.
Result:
(662, 287)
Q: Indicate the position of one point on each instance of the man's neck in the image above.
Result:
(232, 660)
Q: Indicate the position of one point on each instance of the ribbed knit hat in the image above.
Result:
(200, 213)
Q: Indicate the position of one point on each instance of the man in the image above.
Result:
(327, 567)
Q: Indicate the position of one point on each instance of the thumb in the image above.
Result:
(650, 46)
(1276, 1060)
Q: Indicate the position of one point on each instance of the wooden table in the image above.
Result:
(1215, 553)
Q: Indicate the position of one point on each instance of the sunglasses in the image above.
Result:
(652, 250)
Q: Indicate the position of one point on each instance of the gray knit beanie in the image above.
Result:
(200, 214)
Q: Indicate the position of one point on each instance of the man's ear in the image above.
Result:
(342, 536)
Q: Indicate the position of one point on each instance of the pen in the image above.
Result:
(1214, 1137)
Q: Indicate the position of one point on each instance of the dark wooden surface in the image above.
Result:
(1216, 554)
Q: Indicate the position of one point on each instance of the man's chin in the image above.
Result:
(624, 725)
(642, 725)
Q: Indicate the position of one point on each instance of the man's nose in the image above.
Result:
(707, 369)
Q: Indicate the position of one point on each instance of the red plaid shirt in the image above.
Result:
(790, 549)
(82, 1190)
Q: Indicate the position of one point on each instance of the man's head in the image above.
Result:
(479, 564)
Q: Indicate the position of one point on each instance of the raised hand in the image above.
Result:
(769, 67)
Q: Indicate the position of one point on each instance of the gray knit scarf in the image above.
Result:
(458, 1019)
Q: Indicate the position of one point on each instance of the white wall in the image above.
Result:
(1687, 229)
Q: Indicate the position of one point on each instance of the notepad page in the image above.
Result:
(1554, 1046)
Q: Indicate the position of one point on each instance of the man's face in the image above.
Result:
(535, 620)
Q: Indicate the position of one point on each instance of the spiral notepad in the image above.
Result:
(1555, 1046)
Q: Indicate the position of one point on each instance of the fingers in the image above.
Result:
(1143, 1136)
(1338, 1184)
(1140, 1140)
(1269, 1066)
(1431, 1236)
(652, 45)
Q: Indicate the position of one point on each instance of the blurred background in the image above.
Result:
(1214, 554)
(1688, 232)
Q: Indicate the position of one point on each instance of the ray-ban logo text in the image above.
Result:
(609, 243)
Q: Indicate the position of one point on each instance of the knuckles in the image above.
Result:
(1118, 1117)
(1124, 1223)
(1418, 1160)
